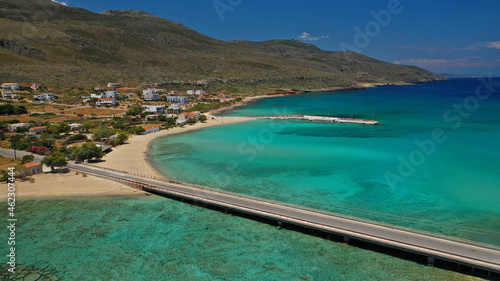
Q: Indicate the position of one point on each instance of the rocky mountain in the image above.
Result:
(64, 46)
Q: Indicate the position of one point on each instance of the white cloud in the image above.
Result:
(60, 2)
(307, 37)
(430, 49)
(487, 45)
(491, 45)
(449, 63)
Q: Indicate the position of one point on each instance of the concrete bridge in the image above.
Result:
(434, 247)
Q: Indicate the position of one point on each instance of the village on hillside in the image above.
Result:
(84, 125)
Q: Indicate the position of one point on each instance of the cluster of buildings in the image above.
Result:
(155, 95)
(9, 88)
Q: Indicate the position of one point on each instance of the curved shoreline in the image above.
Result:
(134, 156)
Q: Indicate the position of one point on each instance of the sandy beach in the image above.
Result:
(131, 157)
(67, 185)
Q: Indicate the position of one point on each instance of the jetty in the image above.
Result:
(312, 118)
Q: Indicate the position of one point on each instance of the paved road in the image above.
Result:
(450, 249)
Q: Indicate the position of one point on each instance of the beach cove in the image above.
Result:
(191, 242)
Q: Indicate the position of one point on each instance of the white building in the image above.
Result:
(44, 97)
(190, 92)
(75, 126)
(6, 95)
(96, 96)
(178, 99)
(106, 101)
(150, 130)
(200, 92)
(14, 127)
(98, 88)
(36, 86)
(10, 86)
(154, 108)
(111, 94)
(181, 120)
(151, 94)
(175, 106)
(114, 85)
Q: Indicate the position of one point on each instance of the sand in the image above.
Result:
(67, 185)
(132, 157)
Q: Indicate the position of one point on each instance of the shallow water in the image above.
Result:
(452, 187)
(152, 238)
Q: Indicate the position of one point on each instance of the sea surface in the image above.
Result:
(455, 191)
(432, 165)
(153, 238)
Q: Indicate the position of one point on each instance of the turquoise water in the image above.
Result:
(449, 185)
(328, 166)
(152, 238)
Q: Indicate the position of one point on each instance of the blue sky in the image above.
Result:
(459, 37)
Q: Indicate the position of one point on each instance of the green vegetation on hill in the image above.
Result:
(63, 46)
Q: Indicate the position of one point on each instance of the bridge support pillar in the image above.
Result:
(347, 240)
(329, 236)
(430, 261)
(226, 211)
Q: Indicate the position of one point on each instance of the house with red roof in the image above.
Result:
(150, 130)
(106, 101)
(36, 130)
(34, 167)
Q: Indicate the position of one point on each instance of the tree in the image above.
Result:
(7, 109)
(23, 172)
(171, 122)
(162, 118)
(20, 110)
(138, 130)
(63, 128)
(58, 159)
(121, 138)
(203, 118)
(191, 121)
(99, 134)
(47, 140)
(87, 151)
(27, 159)
(87, 126)
(5, 175)
(135, 110)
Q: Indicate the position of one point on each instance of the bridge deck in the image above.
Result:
(477, 255)
(463, 252)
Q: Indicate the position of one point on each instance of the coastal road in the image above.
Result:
(469, 253)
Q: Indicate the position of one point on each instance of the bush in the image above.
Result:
(78, 137)
(40, 150)
(27, 159)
